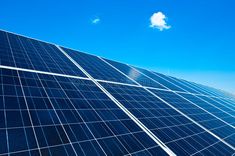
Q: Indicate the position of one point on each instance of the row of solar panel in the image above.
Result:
(22, 52)
(80, 115)
(49, 115)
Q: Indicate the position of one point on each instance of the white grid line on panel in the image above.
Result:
(5, 116)
(80, 116)
(187, 93)
(113, 82)
(226, 112)
(229, 104)
(184, 114)
(210, 146)
(52, 107)
(193, 121)
(30, 118)
(70, 142)
(133, 85)
(148, 77)
(70, 48)
(42, 72)
(127, 92)
(140, 151)
(201, 98)
(169, 82)
(204, 110)
(28, 70)
(33, 149)
(130, 78)
(177, 80)
(222, 140)
(79, 51)
(199, 88)
(143, 127)
(210, 90)
(91, 122)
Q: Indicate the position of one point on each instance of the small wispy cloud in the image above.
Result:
(158, 20)
(95, 21)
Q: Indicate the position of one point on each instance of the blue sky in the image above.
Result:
(198, 42)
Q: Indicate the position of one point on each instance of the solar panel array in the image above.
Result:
(58, 101)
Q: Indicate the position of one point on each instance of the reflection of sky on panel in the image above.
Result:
(133, 74)
(214, 79)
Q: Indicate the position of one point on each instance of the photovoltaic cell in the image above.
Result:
(202, 90)
(199, 115)
(226, 116)
(97, 68)
(181, 85)
(190, 85)
(210, 90)
(22, 52)
(221, 104)
(176, 131)
(229, 103)
(158, 79)
(55, 115)
(135, 75)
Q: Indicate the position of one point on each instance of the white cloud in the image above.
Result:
(158, 20)
(96, 21)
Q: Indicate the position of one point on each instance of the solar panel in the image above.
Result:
(50, 114)
(97, 68)
(205, 118)
(226, 106)
(182, 85)
(135, 75)
(203, 90)
(218, 111)
(192, 86)
(58, 101)
(171, 127)
(160, 80)
(216, 92)
(228, 102)
(22, 52)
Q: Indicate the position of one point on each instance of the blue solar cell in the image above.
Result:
(3, 140)
(227, 102)
(226, 116)
(97, 68)
(190, 86)
(159, 79)
(199, 115)
(180, 84)
(135, 75)
(212, 91)
(162, 79)
(175, 130)
(52, 119)
(22, 52)
(199, 88)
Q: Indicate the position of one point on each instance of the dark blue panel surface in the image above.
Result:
(180, 84)
(135, 75)
(198, 88)
(64, 116)
(227, 102)
(159, 79)
(22, 52)
(97, 68)
(176, 131)
(226, 116)
(199, 115)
